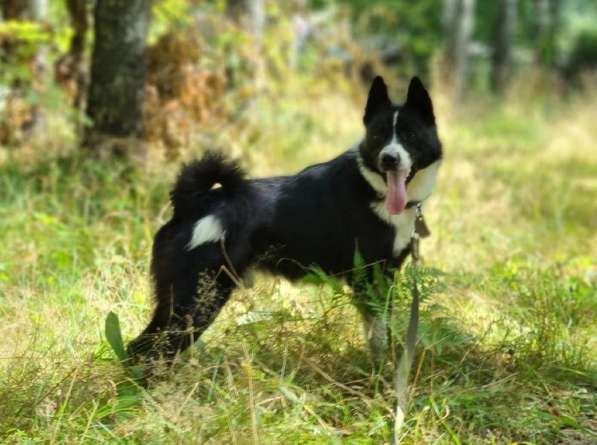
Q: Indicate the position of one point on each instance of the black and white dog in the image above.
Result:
(365, 198)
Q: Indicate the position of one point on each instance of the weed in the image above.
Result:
(507, 349)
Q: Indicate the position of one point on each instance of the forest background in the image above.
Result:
(100, 103)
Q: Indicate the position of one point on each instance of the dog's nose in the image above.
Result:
(389, 161)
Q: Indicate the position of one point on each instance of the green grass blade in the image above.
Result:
(114, 336)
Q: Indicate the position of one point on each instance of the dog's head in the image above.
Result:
(400, 142)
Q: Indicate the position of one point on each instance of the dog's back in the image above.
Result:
(316, 219)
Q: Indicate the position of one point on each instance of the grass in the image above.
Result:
(507, 351)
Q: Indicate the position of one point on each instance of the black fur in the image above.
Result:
(199, 177)
(282, 225)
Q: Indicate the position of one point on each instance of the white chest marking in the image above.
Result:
(404, 225)
(207, 229)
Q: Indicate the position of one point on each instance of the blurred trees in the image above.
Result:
(204, 53)
(405, 34)
(24, 9)
(20, 117)
(502, 50)
(251, 15)
(70, 67)
(583, 56)
(118, 70)
(548, 16)
(458, 26)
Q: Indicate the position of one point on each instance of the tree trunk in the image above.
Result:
(77, 11)
(257, 20)
(251, 15)
(118, 70)
(458, 25)
(502, 51)
(13, 9)
(547, 24)
(38, 10)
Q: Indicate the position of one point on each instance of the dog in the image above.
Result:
(224, 225)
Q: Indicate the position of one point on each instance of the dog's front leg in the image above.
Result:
(375, 327)
(372, 299)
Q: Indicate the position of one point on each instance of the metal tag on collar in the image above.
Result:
(415, 247)
(421, 228)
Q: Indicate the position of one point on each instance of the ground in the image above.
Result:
(507, 351)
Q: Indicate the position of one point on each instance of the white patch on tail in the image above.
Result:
(207, 229)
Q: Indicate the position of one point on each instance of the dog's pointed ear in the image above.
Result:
(418, 100)
(378, 99)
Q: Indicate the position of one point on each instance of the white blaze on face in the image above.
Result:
(396, 198)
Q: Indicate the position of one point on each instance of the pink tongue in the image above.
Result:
(396, 197)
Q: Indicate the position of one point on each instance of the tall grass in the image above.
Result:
(507, 351)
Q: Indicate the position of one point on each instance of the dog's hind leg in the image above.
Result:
(190, 294)
(175, 324)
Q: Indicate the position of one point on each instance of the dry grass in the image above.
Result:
(508, 333)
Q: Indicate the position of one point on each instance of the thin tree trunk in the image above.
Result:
(38, 10)
(77, 10)
(546, 26)
(540, 25)
(251, 14)
(257, 21)
(118, 70)
(458, 23)
(71, 69)
(555, 24)
(502, 51)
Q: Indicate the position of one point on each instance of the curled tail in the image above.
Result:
(198, 177)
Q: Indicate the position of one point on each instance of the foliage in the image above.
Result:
(583, 56)
(412, 29)
(507, 350)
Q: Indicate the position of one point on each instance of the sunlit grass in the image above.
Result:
(508, 336)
